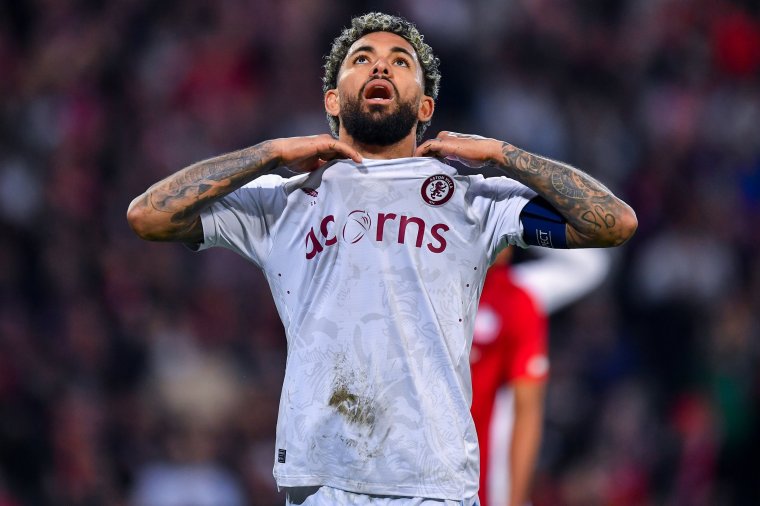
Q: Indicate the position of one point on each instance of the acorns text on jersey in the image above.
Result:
(386, 227)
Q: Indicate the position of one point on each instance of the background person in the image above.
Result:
(510, 360)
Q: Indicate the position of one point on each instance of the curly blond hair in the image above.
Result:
(379, 22)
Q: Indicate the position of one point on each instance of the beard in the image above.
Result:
(376, 127)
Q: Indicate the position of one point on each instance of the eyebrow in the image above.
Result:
(370, 49)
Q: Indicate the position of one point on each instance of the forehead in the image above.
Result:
(383, 40)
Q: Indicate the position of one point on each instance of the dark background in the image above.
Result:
(132, 371)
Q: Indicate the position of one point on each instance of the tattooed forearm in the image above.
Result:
(170, 209)
(599, 218)
(524, 160)
(574, 184)
(596, 216)
(188, 191)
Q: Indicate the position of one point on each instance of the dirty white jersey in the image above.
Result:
(376, 270)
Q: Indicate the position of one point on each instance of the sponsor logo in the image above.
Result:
(544, 239)
(382, 227)
(311, 192)
(437, 190)
(357, 224)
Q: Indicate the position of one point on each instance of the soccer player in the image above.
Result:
(510, 365)
(375, 253)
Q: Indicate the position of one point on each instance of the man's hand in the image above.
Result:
(471, 150)
(305, 154)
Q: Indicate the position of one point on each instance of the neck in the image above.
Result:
(402, 149)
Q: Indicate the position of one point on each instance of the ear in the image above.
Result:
(332, 102)
(426, 108)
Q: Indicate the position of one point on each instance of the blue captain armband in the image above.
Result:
(543, 225)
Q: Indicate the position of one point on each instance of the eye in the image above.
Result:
(361, 59)
(402, 62)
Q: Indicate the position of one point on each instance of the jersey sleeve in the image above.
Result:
(244, 220)
(497, 202)
(527, 350)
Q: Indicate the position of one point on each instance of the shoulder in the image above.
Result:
(496, 188)
(523, 299)
(276, 184)
(515, 298)
(409, 166)
(273, 181)
(435, 165)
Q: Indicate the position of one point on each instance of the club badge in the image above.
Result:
(437, 190)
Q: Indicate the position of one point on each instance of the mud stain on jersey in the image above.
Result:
(356, 401)
(355, 409)
(350, 397)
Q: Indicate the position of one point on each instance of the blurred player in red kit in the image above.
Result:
(510, 362)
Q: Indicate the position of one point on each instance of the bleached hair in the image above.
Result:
(379, 22)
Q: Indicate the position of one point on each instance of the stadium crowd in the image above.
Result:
(145, 374)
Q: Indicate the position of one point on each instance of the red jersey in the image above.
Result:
(509, 343)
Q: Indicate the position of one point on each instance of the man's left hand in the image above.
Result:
(471, 150)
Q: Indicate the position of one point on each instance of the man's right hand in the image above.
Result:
(305, 154)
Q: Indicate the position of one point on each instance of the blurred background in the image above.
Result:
(138, 374)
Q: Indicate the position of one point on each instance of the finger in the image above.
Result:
(432, 147)
(335, 154)
(346, 150)
(425, 149)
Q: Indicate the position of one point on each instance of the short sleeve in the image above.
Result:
(497, 203)
(244, 221)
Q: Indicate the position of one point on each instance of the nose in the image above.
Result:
(381, 67)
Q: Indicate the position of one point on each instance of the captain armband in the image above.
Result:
(543, 225)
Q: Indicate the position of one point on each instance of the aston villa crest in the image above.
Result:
(437, 190)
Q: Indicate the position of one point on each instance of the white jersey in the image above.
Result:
(376, 270)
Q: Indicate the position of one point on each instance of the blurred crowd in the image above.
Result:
(143, 374)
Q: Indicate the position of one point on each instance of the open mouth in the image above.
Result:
(378, 91)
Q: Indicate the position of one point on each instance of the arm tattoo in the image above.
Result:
(187, 192)
(571, 184)
(599, 218)
(589, 207)
(524, 160)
